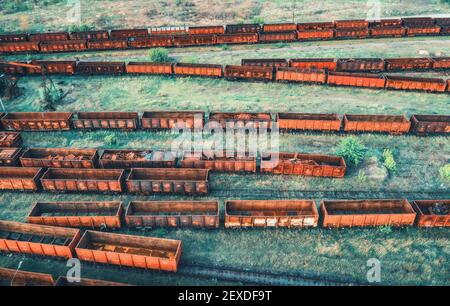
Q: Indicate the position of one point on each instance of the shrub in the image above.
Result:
(110, 140)
(385, 229)
(16, 6)
(362, 177)
(160, 55)
(80, 27)
(444, 171)
(352, 150)
(389, 161)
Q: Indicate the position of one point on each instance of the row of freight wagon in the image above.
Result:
(308, 71)
(14, 277)
(213, 35)
(164, 254)
(197, 120)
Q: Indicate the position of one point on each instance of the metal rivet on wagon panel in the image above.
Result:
(198, 214)
(14, 277)
(59, 158)
(271, 213)
(37, 239)
(104, 215)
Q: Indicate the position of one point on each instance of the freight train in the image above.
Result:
(332, 72)
(217, 35)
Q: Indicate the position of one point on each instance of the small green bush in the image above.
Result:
(16, 6)
(389, 161)
(352, 150)
(362, 177)
(160, 55)
(385, 229)
(110, 140)
(444, 171)
(80, 28)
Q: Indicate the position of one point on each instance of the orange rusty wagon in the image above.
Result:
(99, 68)
(271, 213)
(160, 180)
(18, 178)
(315, 34)
(77, 214)
(303, 164)
(315, 26)
(149, 68)
(36, 239)
(13, 37)
(128, 33)
(423, 30)
(52, 67)
(352, 33)
(314, 63)
(353, 213)
(370, 80)
(430, 124)
(82, 180)
(128, 250)
(198, 214)
(238, 38)
(291, 74)
(49, 36)
(9, 157)
(10, 139)
(386, 23)
(170, 120)
(241, 120)
(346, 24)
(441, 63)
(152, 41)
(126, 159)
(38, 121)
(63, 46)
(360, 64)
(205, 70)
(110, 44)
(414, 83)
(432, 213)
(15, 277)
(59, 158)
(12, 69)
(400, 64)
(308, 122)
(194, 40)
(242, 28)
(19, 46)
(258, 73)
(280, 27)
(201, 30)
(271, 62)
(106, 120)
(223, 163)
(268, 37)
(388, 31)
(377, 123)
(89, 35)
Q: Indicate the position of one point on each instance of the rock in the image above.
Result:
(424, 52)
(373, 170)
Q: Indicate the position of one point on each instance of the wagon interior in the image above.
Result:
(307, 159)
(368, 207)
(8, 136)
(271, 208)
(134, 245)
(107, 115)
(377, 118)
(301, 116)
(168, 174)
(7, 153)
(75, 174)
(434, 207)
(60, 154)
(63, 209)
(39, 116)
(137, 155)
(173, 208)
(25, 173)
(432, 118)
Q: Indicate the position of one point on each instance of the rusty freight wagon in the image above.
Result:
(18, 178)
(87, 282)
(248, 73)
(36, 239)
(377, 123)
(149, 68)
(386, 23)
(401, 64)
(198, 214)
(10, 139)
(151, 42)
(356, 79)
(131, 251)
(52, 67)
(314, 63)
(239, 38)
(242, 28)
(59, 158)
(106, 120)
(20, 46)
(48, 121)
(126, 159)
(49, 36)
(413, 83)
(432, 213)
(82, 180)
(346, 24)
(172, 120)
(315, 26)
(303, 164)
(160, 180)
(272, 62)
(267, 37)
(205, 70)
(280, 27)
(110, 44)
(241, 120)
(267, 213)
(13, 37)
(89, 35)
(12, 69)
(63, 46)
(160, 31)
(441, 63)
(290, 74)
(202, 30)
(425, 30)
(352, 33)
(128, 33)
(93, 68)
(77, 214)
(390, 31)
(15, 277)
(194, 40)
(308, 122)
(360, 64)
(315, 34)
(418, 21)
(9, 157)
(430, 124)
(367, 213)
(222, 163)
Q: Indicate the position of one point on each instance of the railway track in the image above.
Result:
(254, 277)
